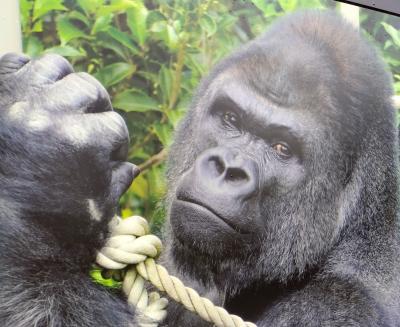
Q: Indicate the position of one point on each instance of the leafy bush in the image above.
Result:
(151, 54)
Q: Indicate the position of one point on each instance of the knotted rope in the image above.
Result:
(131, 244)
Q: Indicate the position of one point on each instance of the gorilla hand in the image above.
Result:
(61, 174)
(67, 141)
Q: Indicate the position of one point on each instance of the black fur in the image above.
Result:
(302, 238)
(61, 174)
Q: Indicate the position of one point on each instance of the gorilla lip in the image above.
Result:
(214, 214)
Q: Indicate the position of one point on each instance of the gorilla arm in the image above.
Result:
(62, 172)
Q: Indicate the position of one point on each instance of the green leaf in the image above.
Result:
(154, 17)
(107, 42)
(116, 6)
(156, 182)
(25, 9)
(393, 32)
(397, 88)
(90, 6)
(166, 33)
(102, 23)
(140, 187)
(126, 212)
(164, 133)
(175, 116)
(139, 153)
(133, 100)
(158, 27)
(42, 7)
(314, 4)
(66, 51)
(166, 80)
(32, 46)
(227, 21)
(38, 26)
(78, 16)
(172, 39)
(288, 5)
(97, 277)
(268, 9)
(67, 31)
(208, 24)
(195, 63)
(114, 73)
(123, 38)
(136, 20)
(263, 5)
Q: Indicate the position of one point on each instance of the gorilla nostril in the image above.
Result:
(120, 153)
(236, 175)
(217, 164)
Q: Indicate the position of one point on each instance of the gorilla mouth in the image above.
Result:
(210, 211)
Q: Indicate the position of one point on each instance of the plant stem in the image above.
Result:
(154, 160)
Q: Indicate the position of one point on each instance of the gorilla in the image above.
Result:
(62, 171)
(283, 182)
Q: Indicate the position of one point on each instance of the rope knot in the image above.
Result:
(131, 244)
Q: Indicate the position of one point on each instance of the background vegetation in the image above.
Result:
(151, 54)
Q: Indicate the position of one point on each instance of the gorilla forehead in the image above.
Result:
(293, 76)
(289, 74)
(309, 65)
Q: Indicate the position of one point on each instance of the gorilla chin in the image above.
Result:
(198, 228)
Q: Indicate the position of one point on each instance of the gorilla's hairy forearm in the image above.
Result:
(62, 172)
(44, 285)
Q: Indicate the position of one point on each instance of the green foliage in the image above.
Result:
(150, 55)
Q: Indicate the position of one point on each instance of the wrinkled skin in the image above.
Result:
(283, 182)
(62, 172)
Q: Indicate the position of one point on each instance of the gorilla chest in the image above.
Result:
(252, 303)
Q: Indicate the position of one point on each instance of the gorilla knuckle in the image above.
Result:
(12, 62)
(75, 94)
(52, 67)
(115, 124)
(100, 95)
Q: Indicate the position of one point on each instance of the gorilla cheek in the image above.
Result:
(196, 227)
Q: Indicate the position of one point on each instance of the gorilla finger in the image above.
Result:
(122, 176)
(103, 99)
(105, 131)
(77, 92)
(11, 62)
(44, 70)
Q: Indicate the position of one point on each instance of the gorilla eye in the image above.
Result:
(283, 150)
(230, 118)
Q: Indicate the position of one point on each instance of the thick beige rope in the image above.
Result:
(131, 244)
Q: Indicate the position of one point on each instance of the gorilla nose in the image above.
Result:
(226, 171)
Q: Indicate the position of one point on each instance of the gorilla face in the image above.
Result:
(255, 158)
(271, 155)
